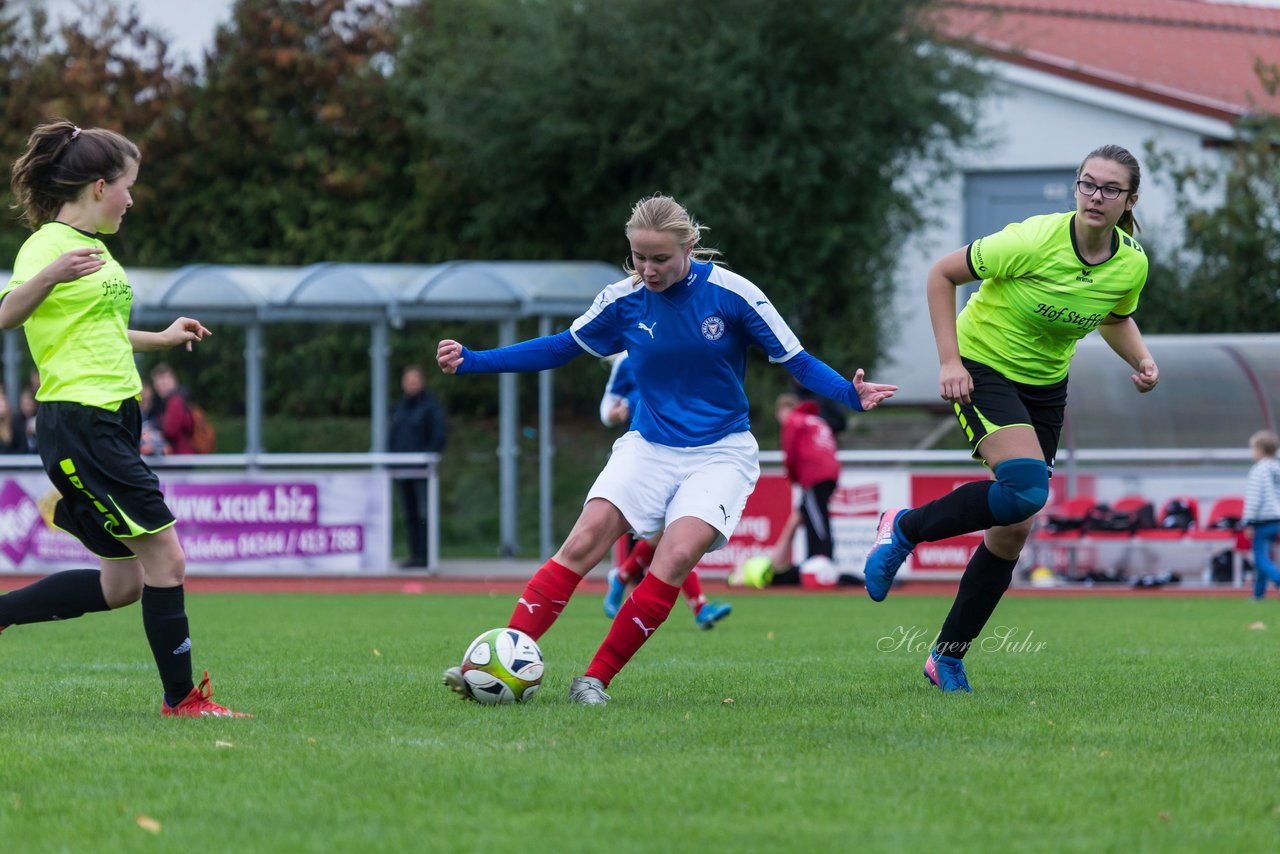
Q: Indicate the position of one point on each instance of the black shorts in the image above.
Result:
(108, 492)
(998, 401)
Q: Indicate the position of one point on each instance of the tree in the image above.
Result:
(288, 151)
(788, 128)
(1225, 276)
(102, 69)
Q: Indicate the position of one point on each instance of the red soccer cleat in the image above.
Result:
(198, 705)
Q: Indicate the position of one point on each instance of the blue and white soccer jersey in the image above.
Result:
(687, 347)
(690, 451)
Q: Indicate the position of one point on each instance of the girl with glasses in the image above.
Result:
(1046, 283)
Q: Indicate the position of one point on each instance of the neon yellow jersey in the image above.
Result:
(79, 336)
(1038, 297)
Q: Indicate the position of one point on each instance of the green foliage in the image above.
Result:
(105, 70)
(799, 724)
(317, 130)
(1225, 276)
(544, 121)
(288, 151)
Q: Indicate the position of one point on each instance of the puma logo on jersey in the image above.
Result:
(529, 605)
(647, 631)
(648, 329)
(726, 514)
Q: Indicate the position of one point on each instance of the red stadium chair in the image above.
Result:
(1058, 532)
(1223, 520)
(1065, 520)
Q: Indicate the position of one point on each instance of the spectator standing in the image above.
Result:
(152, 442)
(27, 407)
(13, 427)
(1262, 509)
(417, 424)
(172, 410)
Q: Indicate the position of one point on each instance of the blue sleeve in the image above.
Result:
(538, 354)
(816, 375)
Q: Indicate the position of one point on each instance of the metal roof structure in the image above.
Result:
(381, 296)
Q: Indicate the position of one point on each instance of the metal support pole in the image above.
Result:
(508, 449)
(546, 450)
(379, 354)
(253, 389)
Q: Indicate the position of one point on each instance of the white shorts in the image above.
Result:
(653, 485)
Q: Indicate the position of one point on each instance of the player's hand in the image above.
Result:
(1147, 376)
(185, 330)
(621, 412)
(75, 264)
(870, 395)
(954, 383)
(449, 356)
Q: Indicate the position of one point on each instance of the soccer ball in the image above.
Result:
(503, 666)
(757, 571)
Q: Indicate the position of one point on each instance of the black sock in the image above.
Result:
(984, 582)
(963, 510)
(164, 619)
(61, 596)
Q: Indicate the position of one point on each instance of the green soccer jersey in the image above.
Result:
(79, 336)
(1038, 297)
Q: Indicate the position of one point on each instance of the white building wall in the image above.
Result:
(1034, 121)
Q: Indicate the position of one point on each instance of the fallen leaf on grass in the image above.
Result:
(149, 824)
(1258, 626)
(221, 743)
(1163, 815)
(728, 701)
(377, 653)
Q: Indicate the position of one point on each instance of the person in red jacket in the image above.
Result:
(171, 411)
(809, 456)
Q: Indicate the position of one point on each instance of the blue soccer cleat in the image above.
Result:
(946, 672)
(615, 594)
(711, 613)
(886, 556)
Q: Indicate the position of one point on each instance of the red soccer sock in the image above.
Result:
(645, 609)
(637, 562)
(543, 599)
(692, 590)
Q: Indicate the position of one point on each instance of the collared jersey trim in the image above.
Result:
(1038, 298)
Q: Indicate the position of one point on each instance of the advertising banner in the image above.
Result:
(304, 522)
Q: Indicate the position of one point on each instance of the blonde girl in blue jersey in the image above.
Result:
(1046, 283)
(689, 461)
(73, 300)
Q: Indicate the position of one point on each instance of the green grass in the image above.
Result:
(1140, 725)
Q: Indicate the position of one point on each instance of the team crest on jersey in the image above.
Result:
(713, 328)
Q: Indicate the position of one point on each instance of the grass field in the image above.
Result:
(802, 723)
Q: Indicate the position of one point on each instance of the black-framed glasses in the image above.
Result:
(1088, 188)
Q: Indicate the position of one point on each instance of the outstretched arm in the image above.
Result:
(816, 375)
(184, 330)
(1124, 337)
(538, 354)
